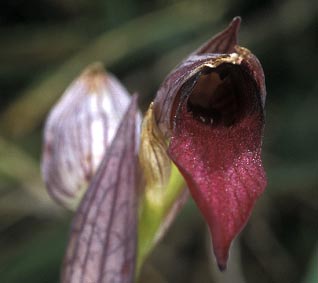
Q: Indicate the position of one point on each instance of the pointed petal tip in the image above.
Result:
(134, 99)
(221, 254)
(223, 42)
(134, 106)
(234, 26)
(222, 266)
(132, 109)
(236, 22)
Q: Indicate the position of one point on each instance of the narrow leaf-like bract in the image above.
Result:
(211, 107)
(102, 245)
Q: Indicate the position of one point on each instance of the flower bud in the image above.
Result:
(78, 131)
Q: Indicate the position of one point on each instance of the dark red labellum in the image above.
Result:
(211, 108)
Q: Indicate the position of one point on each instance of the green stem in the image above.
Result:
(152, 214)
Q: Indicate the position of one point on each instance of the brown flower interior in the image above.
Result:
(220, 95)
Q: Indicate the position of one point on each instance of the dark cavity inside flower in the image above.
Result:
(219, 97)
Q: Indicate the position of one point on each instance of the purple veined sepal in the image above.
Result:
(102, 244)
(211, 110)
(78, 131)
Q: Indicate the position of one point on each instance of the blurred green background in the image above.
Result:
(44, 44)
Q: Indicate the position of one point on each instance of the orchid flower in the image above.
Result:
(202, 131)
(211, 109)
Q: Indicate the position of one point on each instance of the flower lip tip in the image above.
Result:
(222, 266)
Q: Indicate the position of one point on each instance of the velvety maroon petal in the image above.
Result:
(219, 154)
(102, 245)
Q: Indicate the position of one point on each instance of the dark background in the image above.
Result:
(44, 44)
